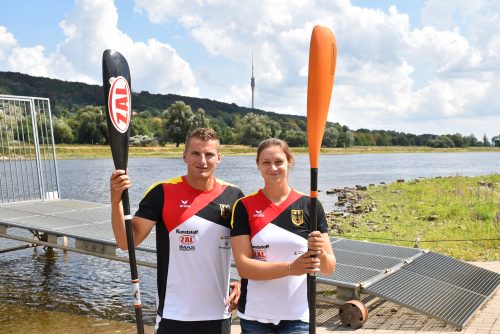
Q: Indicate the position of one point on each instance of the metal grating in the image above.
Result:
(76, 219)
(360, 261)
(346, 274)
(458, 273)
(365, 260)
(93, 215)
(436, 285)
(376, 249)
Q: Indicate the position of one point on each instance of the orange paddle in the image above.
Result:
(322, 62)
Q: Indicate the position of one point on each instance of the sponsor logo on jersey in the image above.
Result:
(119, 103)
(186, 248)
(186, 239)
(224, 242)
(258, 213)
(179, 231)
(225, 211)
(260, 252)
(297, 217)
(184, 204)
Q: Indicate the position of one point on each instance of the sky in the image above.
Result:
(411, 66)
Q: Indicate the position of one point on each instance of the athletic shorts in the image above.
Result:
(168, 326)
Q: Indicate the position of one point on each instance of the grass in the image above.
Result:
(102, 151)
(455, 216)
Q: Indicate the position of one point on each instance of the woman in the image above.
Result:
(270, 240)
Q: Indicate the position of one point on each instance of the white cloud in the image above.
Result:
(389, 73)
(7, 42)
(89, 29)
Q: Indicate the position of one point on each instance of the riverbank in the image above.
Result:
(103, 151)
(455, 216)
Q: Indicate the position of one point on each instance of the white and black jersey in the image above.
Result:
(193, 247)
(278, 233)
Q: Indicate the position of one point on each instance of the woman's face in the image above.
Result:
(273, 165)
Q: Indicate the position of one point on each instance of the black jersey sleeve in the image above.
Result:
(239, 220)
(151, 206)
(322, 223)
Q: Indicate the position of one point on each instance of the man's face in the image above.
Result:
(201, 158)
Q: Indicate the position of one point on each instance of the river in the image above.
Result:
(42, 289)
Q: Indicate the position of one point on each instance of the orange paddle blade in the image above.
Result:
(322, 62)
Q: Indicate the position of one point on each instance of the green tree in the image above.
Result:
(178, 122)
(63, 133)
(346, 139)
(198, 120)
(470, 141)
(441, 142)
(251, 129)
(457, 139)
(330, 137)
(92, 128)
(294, 138)
(486, 141)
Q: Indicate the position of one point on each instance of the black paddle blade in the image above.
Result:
(118, 101)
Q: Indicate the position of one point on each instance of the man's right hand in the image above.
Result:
(118, 182)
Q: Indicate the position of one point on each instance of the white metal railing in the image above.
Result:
(28, 164)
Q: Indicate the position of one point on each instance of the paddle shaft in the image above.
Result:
(133, 263)
(313, 224)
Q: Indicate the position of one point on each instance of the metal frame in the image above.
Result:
(28, 163)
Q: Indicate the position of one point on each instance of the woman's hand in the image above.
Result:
(316, 243)
(320, 245)
(234, 297)
(305, 264)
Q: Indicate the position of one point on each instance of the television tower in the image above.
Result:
(252, 82)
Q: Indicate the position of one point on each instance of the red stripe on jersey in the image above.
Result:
(261, 211)
(181, 201)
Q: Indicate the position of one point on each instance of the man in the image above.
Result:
(192, 215)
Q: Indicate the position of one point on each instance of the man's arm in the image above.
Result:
(120, 181)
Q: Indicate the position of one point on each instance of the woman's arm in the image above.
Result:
(250, 268)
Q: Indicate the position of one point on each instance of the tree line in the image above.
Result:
(79, 117)
(152, 128)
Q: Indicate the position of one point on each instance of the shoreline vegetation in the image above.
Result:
(457, 216)
(65, 151)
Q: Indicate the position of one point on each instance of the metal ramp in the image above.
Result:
(89, 224)
(429, 283)
(438, 286)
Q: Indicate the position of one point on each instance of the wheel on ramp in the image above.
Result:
(353, 314)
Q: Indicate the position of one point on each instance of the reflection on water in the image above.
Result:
(54, 280)
(16, 319)
(56, 292)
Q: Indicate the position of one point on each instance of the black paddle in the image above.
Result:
(118, 101)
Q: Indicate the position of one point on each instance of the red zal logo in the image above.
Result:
(260, 254)
(119, 103)
(186, 239)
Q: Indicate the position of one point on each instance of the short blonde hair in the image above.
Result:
(204, 134)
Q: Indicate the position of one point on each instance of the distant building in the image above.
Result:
(496, 141)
